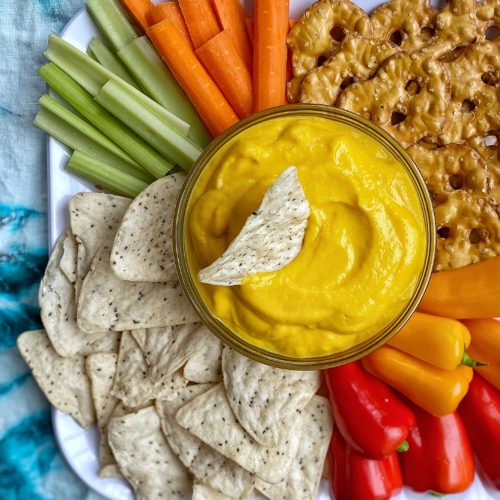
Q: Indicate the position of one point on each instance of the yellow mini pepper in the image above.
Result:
(485, 346)
(433, 339)
(433, 389)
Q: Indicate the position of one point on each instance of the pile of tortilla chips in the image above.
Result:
(122, 348)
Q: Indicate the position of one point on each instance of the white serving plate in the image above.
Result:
(79, 446)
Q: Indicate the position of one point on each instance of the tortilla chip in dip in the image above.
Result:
(206, 464)
(271, 237)
(266, 400)
(142, 249)
(63, 380)
(211, 419)
(145, 459)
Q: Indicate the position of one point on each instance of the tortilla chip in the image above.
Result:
(108, 303)
(132, 384)
(167, 349)
(94, 220)
(58, 308)
(210, 418)
(109, 343)
(271, 237)
(304, 475)
(205, 463)
(101, 368)
(205, 366)
(63, 380)
(204, 492)
(266, 400)
(143, 248)
(69, 256)
(145, 459)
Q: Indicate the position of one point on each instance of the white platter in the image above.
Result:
(79, 446)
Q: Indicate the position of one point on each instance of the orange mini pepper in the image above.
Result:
(435, 390)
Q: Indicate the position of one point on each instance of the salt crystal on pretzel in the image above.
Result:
(318, 34)
(357, 60)
(468, 225)
(407, 97)
(407, 23)
(474, 107)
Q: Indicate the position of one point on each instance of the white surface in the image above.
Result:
(80, 446)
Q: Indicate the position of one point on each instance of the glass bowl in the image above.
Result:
(221, 330)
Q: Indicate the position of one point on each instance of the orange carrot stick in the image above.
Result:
(137, 10)
(172, 12)
(206, 97)
(200, 20)
(249, 27)
(232, 19)
(270, 53)
(225, 65)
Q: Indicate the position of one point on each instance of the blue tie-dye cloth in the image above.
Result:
(31, 467)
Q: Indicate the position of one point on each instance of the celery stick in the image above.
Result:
(105, 176)
(92, 76)
(112, 22)
(91, 54)
(76, 140)
(151, 73)
(100, 52)
(164, 138)
(139, 150)
(84, 127)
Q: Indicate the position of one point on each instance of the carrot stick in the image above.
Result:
(200, 20)
(172, 12)
(137, 10)
(225, 65)
(270, 53)
(232, 19)
(249, 27)
(206, 97)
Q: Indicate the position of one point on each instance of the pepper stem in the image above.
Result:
(403, 447)
(468, 361)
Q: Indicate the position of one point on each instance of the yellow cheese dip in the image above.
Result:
(363, 250)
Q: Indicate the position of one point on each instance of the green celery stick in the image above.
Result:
(92, 76)
(112, 22)
(99, 51)
(74, 139)
(105, 176)
(83, 102)
(151, 73)
(84, 127)
(164, 138)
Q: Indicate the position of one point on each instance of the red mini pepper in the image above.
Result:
(369, 415)
(440, 457)
(480, 411)
(355, 477)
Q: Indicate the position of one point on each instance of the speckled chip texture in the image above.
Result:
(94, 219)
(204, 492)
(110, 342)
(109, 303)
(205, 366)
(69, 256)
(206, 464)
(101, 368)
(56, 297)
(267, 401)
(210, 418)
(142, 250)
(304, 475)
(132, 383)
(145, 459)
(63, 380)
(167, 349)
(271, 237)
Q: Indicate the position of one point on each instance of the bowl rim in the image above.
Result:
(222, 331)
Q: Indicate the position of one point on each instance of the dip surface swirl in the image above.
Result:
(363, 250)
